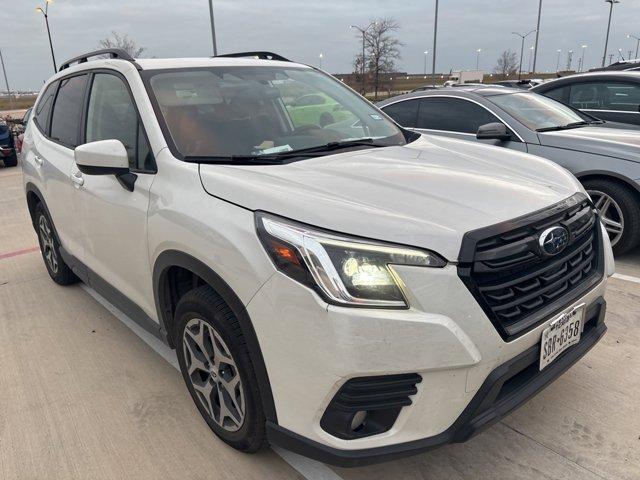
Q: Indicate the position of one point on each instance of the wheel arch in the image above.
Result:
(608, 175)
(35, 197)
(172, 263)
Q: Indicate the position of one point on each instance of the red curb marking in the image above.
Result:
(15, 253)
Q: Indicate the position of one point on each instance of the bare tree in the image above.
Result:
(124, 42)
(507, 63)
(382, 50)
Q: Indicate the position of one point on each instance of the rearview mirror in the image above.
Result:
(104, 157)
(493, 131)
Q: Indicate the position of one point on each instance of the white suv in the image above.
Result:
(332, 283)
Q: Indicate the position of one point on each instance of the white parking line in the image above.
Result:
(627, 278)
(310, 469)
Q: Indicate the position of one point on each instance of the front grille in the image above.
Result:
(519, 286)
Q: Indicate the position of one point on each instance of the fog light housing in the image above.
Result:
(368, 406)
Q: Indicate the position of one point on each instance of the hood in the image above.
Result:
(426, 194)
(624, 144)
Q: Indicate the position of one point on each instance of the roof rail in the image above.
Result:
(111, 52)
(260, 55)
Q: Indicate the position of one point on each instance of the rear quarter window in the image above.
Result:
(43, 107)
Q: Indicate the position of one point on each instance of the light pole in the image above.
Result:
(522, 50)
(530, 54)
(478, 52)
(535, 50)
(584, 48)
(637, 43)
(4, 71)
(363, 31)
(558, 62)
(426, 54)
(435, 37)
(569, 59)
(45, 12)
(320, 57)
(620, 54)
(213, 29)
(606, 41)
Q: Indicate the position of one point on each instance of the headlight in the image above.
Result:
(345, 271)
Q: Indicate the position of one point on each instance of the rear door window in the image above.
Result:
(42, 109)
(405, 112)
(453, 115)
(67, 110)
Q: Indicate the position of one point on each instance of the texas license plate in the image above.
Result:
(563, 332)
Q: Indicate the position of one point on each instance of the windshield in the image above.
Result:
(258, 111)
(537, 112)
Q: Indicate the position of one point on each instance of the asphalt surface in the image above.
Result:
(86, 395)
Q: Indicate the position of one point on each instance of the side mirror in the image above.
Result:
(493, 131)
(104, 157)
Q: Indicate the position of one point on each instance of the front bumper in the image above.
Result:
(505, 389)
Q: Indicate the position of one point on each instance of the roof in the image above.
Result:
(599, 74)
(161, 63)
(459, 91)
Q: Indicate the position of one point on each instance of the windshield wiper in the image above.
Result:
(328, 147)
(563, 127)
(279, 158)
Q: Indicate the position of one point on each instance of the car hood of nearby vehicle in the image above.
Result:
(426, 194)
(624, 144)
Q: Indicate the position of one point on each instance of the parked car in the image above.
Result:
(353, 293)
(425, 87)
(8, 154)
(613, 96)
(521, 84)
(625, 65)
(23, 126)
(605, 160)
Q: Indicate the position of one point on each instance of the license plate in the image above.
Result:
(563, 332)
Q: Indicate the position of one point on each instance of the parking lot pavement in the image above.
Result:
(84, 397)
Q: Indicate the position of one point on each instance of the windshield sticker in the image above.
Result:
(280, 149)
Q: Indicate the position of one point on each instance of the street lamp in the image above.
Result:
(435, 37)
(569, 59)
(521, 49)
(4, 71)
(535, 51)
(620, 54)
(637, 43)
(478, 51)
(606, 41)
(363, 31)
(584, 48)
(426, 54)
(558, 62)
(213, 29)
(530, 54)
(320, 57)
(45, 12)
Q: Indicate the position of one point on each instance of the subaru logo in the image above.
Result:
(554, 240)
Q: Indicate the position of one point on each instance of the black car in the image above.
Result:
(611, 95)
(8, 154)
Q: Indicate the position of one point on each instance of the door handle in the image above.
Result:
(77, 179)
(38, 160)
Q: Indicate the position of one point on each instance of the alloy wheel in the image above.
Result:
(214, 375)
(47, 245)
(610, 214)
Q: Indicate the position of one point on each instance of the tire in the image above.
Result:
(623, 210)
(58, 270)
(11, 161)
(220, 358)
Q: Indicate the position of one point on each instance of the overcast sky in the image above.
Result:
(301, 29)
